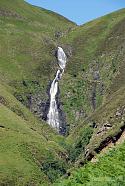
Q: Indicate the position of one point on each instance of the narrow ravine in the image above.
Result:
(53, 118)
(108, 144)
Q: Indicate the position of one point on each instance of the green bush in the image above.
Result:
(79, 146)
(54, 169)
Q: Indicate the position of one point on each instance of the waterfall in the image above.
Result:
(53, 114)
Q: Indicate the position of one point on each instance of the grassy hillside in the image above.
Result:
(28, 40)
(30, 151)
(27, 145)
(96, 91)
(92, 94)
(109, 170)
(105, 125)
(96, 62)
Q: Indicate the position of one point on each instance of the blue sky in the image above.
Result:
(80, 11)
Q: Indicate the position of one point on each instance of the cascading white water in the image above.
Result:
(61, 58)
(53, 114)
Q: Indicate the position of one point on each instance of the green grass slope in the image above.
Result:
(109, 170)
(96, 92)
(28, 37)
(30, 151)
(105, 125)
(28, 147)
(95, 67)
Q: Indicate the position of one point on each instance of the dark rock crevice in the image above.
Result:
(93, 98)
(105, 143)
